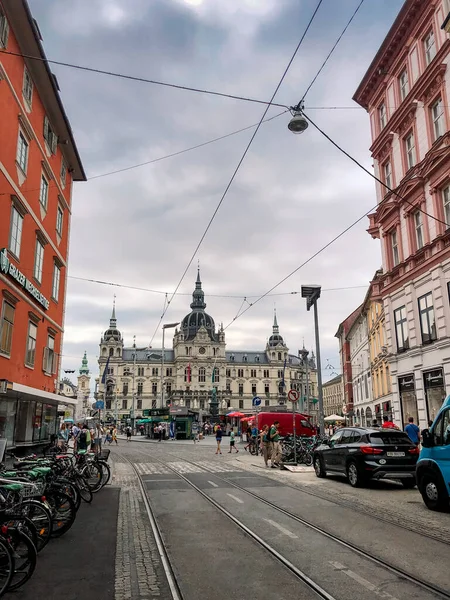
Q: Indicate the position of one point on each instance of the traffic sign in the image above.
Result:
(256, 401)
(293, 395)
(99, 404)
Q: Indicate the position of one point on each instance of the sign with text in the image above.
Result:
(7, 267)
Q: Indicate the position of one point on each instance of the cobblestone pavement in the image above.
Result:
(139, 572)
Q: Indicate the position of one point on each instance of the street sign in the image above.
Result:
(256, 401)
(293, 395)
(99, 404)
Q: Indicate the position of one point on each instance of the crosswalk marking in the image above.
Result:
(217, 468)
(182, 466)
(151, 469)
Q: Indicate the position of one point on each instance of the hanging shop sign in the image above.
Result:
(7, 267)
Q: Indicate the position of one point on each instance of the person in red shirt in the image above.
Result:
(388, 424)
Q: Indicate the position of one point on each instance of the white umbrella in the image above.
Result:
(334, 418)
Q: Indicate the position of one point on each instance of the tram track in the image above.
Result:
(398, 572)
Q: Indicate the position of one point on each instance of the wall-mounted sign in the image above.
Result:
(7, 267)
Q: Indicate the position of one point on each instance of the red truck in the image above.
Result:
(303, 424)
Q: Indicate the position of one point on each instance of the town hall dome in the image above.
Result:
(198, 317)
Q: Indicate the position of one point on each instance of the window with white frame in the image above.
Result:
(43, 194)
(38, 261)
(382, 115)
(49, 362)
(31, 345)
(403, 82)
(418, 224)
(15, 234)
(387, 168)
(437, 113)
(56, 281)
(4, 29)
(401, 329)
(27, 89)
(394, 246)
(22, 152)
(410, 149)
(429, 47)
(59, 220)
(446, 202)
(427, 319)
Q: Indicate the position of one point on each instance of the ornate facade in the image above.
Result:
(199, 372)
(406, 92)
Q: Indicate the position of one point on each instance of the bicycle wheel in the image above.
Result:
(6, 565)
(24, 524)
(70, 488)
(92, 473)
(25, 556)
(41, 517)
(106, 476)
(84, 489)
(63, 512)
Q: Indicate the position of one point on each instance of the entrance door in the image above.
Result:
(434, 392)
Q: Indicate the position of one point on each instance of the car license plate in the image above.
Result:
(395, 453)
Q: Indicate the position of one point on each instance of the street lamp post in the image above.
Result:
(164, 327)
(134, 379)
(312, 294)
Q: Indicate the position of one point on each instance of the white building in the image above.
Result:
(358, 339)
(197, 364)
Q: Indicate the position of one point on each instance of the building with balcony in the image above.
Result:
(333, 396)
(197, 364)
(39, 162)
(406, 92)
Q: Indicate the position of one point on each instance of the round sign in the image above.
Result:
(293, 395)
(256, 401)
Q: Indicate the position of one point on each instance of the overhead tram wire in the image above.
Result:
(239, 163)
(144, 80)
(389, 189)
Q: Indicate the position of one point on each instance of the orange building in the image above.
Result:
(39, 162)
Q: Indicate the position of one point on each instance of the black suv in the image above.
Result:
(363, 453)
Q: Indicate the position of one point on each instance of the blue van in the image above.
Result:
(433, 466)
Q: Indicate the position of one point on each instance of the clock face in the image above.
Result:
(201, 350)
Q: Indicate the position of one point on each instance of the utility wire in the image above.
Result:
(336, 145)
(331, 51)
(142, 79)
(239, 165)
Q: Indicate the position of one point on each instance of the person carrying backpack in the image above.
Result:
(84, 438)
(128, 434)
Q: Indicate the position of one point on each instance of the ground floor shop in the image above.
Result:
(28, 416)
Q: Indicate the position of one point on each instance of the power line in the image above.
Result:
(336, 145)
(331, 51)
(143, 79)
(238, 165)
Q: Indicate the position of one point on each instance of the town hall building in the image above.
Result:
(199, 373)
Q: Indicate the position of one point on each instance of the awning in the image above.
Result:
(25, 392)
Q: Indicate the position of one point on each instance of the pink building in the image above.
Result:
(406, 92)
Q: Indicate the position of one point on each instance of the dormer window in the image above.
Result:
(245, 358)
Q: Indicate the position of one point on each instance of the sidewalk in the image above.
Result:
(208, 440)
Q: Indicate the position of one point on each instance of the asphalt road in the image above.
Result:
(213, 558)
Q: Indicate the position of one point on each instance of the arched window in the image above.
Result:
(273, 355)
(104, 351)
(279, 355)
(280, 387)
(118, 352)
(216, 375)
(111, 351)
(201, 375)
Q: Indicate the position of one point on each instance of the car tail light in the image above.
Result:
(414, 450)
(371, 450)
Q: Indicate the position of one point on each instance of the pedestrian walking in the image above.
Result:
(128, 434)
(114, 436)
(218, 439)
(63, 436)
(232, 441)
(275, 447)
(160, 432)
(84, 438)
(265, 443)
(413, 431)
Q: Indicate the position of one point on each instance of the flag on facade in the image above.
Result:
(105, 372)
(213, 375)
(189, 373)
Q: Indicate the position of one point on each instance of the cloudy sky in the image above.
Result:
(291, 196)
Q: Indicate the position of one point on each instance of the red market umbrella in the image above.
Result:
(236, 414)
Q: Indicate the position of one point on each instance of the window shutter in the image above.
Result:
(4, 30)
(46, 125)
(55, 363)
(53, 142)
(45, 360)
